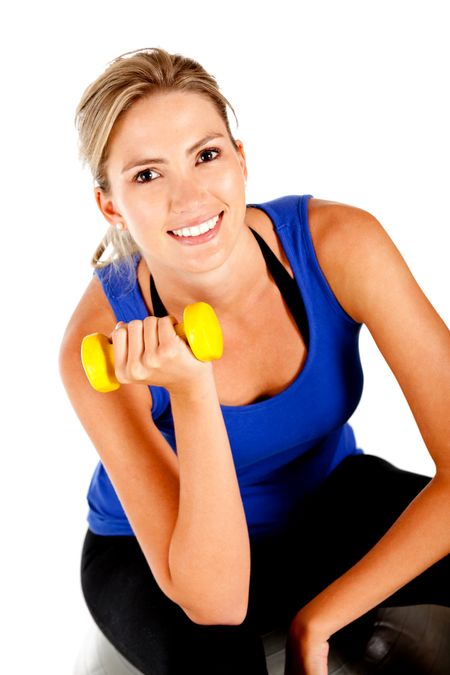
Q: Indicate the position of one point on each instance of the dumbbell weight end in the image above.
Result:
(97, 357)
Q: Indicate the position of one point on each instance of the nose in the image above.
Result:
(187, 195)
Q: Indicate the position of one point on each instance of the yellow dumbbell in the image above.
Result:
(200, 329)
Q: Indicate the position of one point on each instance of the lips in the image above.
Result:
(201, 238)
(194, 223)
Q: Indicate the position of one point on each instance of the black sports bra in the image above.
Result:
(287, 285)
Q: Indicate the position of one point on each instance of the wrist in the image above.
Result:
(308, 626)
(195, 390)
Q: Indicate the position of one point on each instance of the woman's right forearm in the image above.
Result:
(209, 555)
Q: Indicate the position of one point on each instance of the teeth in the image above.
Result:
(198, 229)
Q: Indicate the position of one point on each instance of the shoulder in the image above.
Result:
(93, 314)
(352, 249)
(335, 224)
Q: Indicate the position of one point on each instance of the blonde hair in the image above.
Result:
(128, 78)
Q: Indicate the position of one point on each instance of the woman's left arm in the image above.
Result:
(375, 286)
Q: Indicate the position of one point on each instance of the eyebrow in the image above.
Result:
(160, 160)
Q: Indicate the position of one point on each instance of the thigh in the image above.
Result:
(336, 527)
(357, 507)
(150, 630)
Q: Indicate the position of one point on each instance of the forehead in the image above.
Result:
(166, 117)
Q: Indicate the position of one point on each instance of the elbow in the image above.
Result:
(214, 601)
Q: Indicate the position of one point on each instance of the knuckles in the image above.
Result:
(135, 325)
(137, 372)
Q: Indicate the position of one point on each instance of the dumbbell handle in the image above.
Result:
(200, 329)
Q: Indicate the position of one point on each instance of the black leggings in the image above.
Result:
(344, 518)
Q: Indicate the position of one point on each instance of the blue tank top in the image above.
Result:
(283, 446)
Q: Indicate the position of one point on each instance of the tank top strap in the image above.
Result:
(287, 286)
(158, 307)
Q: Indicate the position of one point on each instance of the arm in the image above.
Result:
(186, 511)
(209, 550)
(374, 285)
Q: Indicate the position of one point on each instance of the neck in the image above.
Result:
(231, 289)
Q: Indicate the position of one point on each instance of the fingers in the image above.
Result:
(119, 338)
(138, 346)
(150, 334)
(135, 341)
(166, 331)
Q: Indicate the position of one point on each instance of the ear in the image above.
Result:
(106, 205)
(242, 159)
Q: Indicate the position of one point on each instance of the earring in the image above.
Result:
(119, 226)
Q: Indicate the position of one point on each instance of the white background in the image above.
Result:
(344, 100)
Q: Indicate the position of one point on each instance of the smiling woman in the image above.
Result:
(231, 498)
(105, 102)
(153, 198)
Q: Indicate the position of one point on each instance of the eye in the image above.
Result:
(145, 176)
(210, 151)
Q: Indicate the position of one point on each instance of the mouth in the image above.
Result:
(200, 234)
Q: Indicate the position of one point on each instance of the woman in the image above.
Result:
(231, 496)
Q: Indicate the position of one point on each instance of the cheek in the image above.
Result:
(231, 182)
(144, 217)
(139, 206)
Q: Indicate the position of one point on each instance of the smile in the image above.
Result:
(199, 233)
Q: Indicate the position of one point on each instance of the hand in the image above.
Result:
(306, 651)
(150, 352)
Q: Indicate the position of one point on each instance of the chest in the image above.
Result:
(263, 354)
